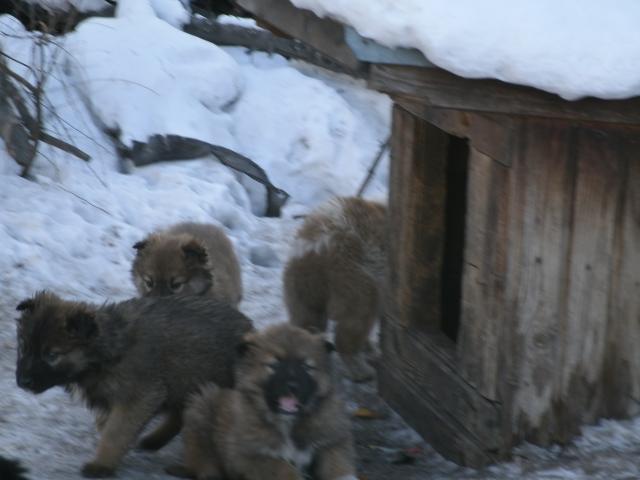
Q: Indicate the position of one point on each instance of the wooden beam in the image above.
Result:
(323, 34)
(418, 378)
(264, 40)
(417, 195)
(434, 87)
(489, 133)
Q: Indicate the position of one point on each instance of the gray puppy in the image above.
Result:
(129, 360)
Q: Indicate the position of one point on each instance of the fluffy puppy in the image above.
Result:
(188, 258)
(129, 360)
(283, 421)
(337, 271)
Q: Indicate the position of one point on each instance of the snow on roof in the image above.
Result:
(574, 48)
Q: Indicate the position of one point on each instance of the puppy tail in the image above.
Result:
(200, 406)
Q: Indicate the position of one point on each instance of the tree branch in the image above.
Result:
(22, 134)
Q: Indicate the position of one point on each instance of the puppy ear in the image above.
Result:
(81, 324)
(27, 304)
(247, 343)
(243, 348)
(140, 245)
(193, 250)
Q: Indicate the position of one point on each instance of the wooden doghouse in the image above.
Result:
(515, 262)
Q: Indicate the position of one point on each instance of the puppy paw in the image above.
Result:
(183, 472)
(95, 470)
(357, 369)
(178, 471)
(151, 443)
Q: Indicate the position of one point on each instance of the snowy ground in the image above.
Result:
(71, 228)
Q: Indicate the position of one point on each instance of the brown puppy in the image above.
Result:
(337, 271)
(188, 258)
(129, 360)
(283, 421)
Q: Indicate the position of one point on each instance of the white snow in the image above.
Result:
(173, 12)
(71, 228)
(143, 76)
(574, 48)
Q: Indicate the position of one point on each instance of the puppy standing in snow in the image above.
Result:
(129, 360)
(191, 258)
(282, 421)
(337, 271)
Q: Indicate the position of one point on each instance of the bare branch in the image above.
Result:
(372, 168)
(23, 134)
(18, 78)
(62, 145)
(27, 66)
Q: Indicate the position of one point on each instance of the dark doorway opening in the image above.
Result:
(457, 168)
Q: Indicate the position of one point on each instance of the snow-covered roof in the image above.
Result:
(574, 48)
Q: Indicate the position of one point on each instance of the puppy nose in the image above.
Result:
(24, 382)
(292, 386)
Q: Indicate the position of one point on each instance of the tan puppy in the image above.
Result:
(337, 271)
(283, 420)
(129, 360)
(188, 258)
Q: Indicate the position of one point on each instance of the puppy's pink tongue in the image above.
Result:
(288, 404)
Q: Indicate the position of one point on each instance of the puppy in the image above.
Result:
(337, 271)
(283, 421)
(188, 258)
(129, 360)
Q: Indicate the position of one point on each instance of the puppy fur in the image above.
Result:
(129, 360)
(188, 258)
(283, 421)
(337, 271)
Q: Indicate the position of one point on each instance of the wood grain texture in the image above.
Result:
(542, 185)
(438, 88)
(416, 218)
(550, 322)
(620, 375)
(419, 380)
(483, 314)
(492, 134)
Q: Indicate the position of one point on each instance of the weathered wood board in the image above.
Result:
(550, 318)
(438, 88)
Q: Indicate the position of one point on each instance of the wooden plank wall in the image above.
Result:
(551, 314)
(416, 214)
(418, 376)
(550, 331)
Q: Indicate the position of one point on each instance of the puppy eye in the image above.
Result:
(176, 285)
(148, 281)
(52, 357)
(270, 366)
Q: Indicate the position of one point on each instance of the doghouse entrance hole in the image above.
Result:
(455, 219)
